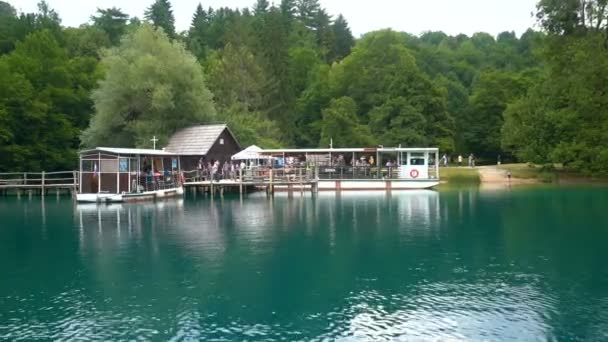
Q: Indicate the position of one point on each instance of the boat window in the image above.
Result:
(123, 165)
(417, 161)
(88, 165)
(109, 165)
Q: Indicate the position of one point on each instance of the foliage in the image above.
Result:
(43, 104)
(341, 126)
(292, 74)
(160, 14)
(152, 87)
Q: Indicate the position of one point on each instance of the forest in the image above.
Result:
(293, 75)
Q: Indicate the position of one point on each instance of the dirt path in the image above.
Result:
(493, 175)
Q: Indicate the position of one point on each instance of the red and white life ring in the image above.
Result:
(414, 173)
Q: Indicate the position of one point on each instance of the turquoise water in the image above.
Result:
(527, 264)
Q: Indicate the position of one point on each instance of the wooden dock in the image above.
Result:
(39, 183)
(247, 180)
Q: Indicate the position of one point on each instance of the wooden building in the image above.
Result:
(206, 142)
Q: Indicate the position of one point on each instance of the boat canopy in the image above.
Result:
(252, 152)
(129, 151)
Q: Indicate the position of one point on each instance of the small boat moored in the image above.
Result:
(113, 175)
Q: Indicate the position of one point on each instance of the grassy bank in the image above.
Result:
(459, 175)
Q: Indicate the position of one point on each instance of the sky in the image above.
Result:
(412, 16)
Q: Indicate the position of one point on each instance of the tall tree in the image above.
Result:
(341, 127)
(153, 86)
(306, 12)
(260, 7)
(343, 39)
(112, 21)
(197, 32)
(43, 104)
(288, 8)
(160, 14)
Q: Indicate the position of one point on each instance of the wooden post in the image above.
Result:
(240, 180)
(75, 175)
(42, 184)
(24, 178)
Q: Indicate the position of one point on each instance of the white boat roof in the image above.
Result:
(136, 151)
(347, 150)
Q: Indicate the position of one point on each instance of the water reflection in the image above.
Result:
(454, 265)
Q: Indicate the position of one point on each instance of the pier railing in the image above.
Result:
(254, 175)
(38, 182)
(39, 179)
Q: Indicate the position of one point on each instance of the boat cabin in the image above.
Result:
(127, 170)
(363, 163)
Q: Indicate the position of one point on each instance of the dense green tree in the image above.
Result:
(491, 94)
(112, 21)
(381, 70)
(343, 39)
(341, 126)
(306, 12)
(563, 118)
(197, 32)
(160, 14)
(260, 7)
(43, 104)
(152, 87)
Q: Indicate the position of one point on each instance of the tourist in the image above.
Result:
(444, 160)
(499, 161)
(460, 160)
(371, 161)
(471, 160)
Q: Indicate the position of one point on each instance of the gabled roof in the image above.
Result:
(132, 151)
(196, 140)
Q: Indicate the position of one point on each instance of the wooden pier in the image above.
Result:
(39, 183)
(294, 179)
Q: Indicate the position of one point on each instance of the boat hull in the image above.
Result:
(129, 197)
(364, 185)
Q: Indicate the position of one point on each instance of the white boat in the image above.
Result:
(113, 175)
(130, 197)
(360, 169)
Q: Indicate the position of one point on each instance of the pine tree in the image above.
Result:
(307, 11)
(288, 8)
(196, 33)
(161, 15)
(343, 39)
(260, 7)
(112, 21)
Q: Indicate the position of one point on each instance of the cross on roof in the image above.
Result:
(154, 140)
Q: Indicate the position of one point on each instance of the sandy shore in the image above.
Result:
(494, 175)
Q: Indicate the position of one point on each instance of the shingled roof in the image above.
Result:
(196, 140)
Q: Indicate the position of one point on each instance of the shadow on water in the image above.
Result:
(459, 263)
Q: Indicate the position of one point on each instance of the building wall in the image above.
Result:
(222, 152)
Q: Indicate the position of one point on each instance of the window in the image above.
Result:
(109, 165)
(221, 141)
(417, 161)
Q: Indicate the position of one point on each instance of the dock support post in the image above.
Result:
(42, 184)
(76, 183)
(240, 181)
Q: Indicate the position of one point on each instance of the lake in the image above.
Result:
(520, 264)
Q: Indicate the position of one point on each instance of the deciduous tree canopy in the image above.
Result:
(291, 74)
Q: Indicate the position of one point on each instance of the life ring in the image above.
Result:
(414, 173)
